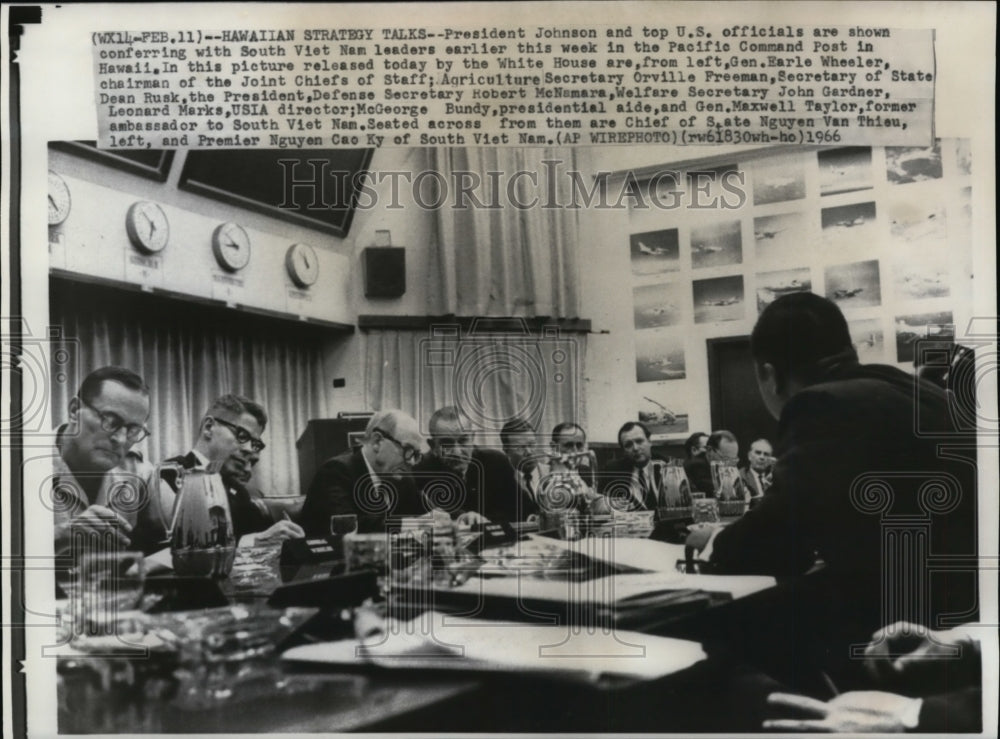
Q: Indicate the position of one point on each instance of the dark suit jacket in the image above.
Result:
(488, 488)
(248, 515)
(851, 476)
(615, 482)
(342, 485)
(699, 474)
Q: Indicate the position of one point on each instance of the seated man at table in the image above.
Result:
(472, 483)
(97, 485)
(369, 481)
(572, 480)
(721, 446)
(756, 476)
(695, 465)
(228, 441)
(250, 513)
(857, 450)
(520, 444)
(634, 482)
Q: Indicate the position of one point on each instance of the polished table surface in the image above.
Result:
(99, 695)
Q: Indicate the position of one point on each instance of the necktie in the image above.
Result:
(645, 488)
(649, 495)
(526, 481)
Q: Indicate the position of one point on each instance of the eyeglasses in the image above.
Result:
(112, 423)
(242, 435)
(410, 455)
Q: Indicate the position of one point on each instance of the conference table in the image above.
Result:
(297, 669)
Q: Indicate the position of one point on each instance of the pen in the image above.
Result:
(829, 684)
(285, 516)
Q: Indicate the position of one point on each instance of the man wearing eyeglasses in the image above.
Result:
(98, 487)
(229, 441)
(368, 481)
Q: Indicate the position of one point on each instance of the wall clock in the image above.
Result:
(302, 264)
(59, 199)
(231, 246)
(147, 227)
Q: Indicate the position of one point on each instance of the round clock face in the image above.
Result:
(302, 264)
(147, 227)
(59, 200)
(231, 246)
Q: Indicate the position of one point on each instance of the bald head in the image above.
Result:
(393, 441)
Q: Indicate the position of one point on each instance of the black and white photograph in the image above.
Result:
(662, 419)
(716, 245)
(654, 252)
(869, 339)
(854, 285)
(845, 170)
(911, 328)
(917, 222)
(718, 299)
(780, 237)
(772, 285)
(658, 305)
(658, 356)
(921, 275)
(778, 179)
(354, 417)
(851, 225)
(904, 164)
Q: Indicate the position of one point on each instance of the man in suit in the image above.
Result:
(634, 481)
(369, 481)
(720, 446)
(756, 476)
(520, 444)
(572, 482)
(473, 484)
(99, 486)
(857, 456)
(229, 442)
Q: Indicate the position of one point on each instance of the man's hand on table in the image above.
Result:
(471, 518)
(97, 520)
(862, 711)
(916, 653)
(699, 535)
(279, 532)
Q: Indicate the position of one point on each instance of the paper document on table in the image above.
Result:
(639, 554)
(438, 641)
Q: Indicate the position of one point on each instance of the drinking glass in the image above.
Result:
(343, 524)
(105, 585)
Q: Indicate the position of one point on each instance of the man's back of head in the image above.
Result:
(798, 334)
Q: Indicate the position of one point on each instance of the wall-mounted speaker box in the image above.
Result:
(385, 271)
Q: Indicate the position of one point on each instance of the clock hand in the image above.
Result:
(305, 261)
(149, 221)
(52, 200)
